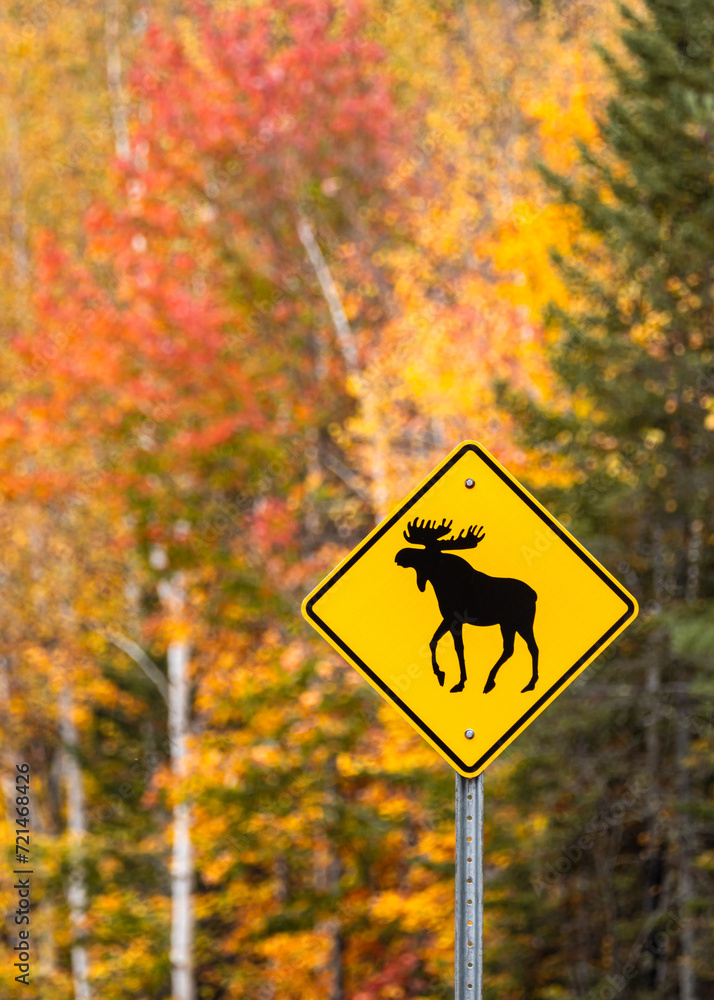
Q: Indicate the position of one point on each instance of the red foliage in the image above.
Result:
(397, 973)
(147, 334)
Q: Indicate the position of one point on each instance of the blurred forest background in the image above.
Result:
(263, 263)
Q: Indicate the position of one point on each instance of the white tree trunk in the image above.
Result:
(343, 331)
(182, 985)
(182, 860)
(347, 343)
(77, 829)
(116, 93)
(369, 403)
(176, 695)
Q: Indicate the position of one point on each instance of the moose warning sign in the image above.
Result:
(470, 608)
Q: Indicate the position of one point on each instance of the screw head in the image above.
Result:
(469, 484)
(469, 734)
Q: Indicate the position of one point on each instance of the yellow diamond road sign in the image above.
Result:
(470, 608)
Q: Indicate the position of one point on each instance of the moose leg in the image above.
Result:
(527, 634)
(442, 630)
(456, 631)
(509, 638)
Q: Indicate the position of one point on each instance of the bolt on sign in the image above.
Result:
(470, 608)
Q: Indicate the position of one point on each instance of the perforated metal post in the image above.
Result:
(468, 958)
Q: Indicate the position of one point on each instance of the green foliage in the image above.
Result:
(618, 858)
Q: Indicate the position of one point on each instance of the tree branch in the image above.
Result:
(137, 654)
(343, 331)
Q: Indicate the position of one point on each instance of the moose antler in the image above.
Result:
(431, 534)
(469, 540)
(427, 533)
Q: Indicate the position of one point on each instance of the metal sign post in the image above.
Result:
(468, 951)
(397, 608)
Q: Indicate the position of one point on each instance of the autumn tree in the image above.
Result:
(634, 354)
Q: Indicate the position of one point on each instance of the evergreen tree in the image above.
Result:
(616, 892)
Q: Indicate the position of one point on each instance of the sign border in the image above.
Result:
(309, 613)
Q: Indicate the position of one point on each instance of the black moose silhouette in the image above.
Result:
(467, 597)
